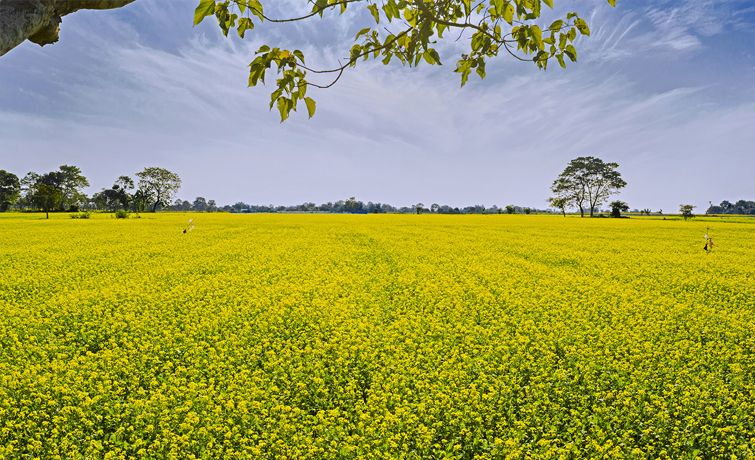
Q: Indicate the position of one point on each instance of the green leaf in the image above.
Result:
(410, 17)
(550, 3)
(300, 55)
(481, 67)
(362, 32)
(244, 25)
(283, 108)
(612, 2)
(375, 13)
(428, 57)
(263, 49)
(310, 106)
(242, 5)
(560, 58)
(256, 7)
(508, 13)
(435, 56)
(556, 26)
(541, 59)
(465, 76)
(582, 26)
(205, 8)
(571, 52)
(537, 36)
(477, 41)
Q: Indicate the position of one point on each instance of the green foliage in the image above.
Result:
(559, 203)
(495, 26)
(71, 184)
(45, 196)
(686, 211)
(510, 209)
(617, 207)
(157, 186)
(122, 214)
(10, 189)
(588, 181)
(82, 215)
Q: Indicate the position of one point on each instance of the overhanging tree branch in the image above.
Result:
(39, 20)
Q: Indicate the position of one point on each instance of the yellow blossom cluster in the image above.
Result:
(376, 337)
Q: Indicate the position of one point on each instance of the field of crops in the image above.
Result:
(375, 337)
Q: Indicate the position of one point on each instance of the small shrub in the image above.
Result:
(122, 214)
(82, 215)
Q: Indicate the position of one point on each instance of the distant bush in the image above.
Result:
(122, 214)
(82, 215)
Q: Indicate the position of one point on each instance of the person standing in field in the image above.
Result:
(708, 241)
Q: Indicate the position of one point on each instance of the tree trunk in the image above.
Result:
(39, 20)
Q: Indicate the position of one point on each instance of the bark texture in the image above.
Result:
(39, 20)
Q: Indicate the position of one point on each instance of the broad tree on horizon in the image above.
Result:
(45, 197)
(158, 186)
(404, 29)
(588, 180)
(685, 210)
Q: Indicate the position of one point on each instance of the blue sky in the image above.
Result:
(665, 89)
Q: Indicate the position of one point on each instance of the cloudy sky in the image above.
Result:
(665, 89)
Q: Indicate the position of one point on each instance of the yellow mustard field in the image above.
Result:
(376, 337)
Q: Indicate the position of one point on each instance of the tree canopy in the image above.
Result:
(587, 180)
(158, 185)
(405, 30)
(409, 31)
(45, 196)
(10, 189)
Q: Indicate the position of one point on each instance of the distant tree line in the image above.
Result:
(350, 206)
(62, 190)
(740, 207)
(155, 190)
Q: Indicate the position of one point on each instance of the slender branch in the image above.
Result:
(318, 11)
